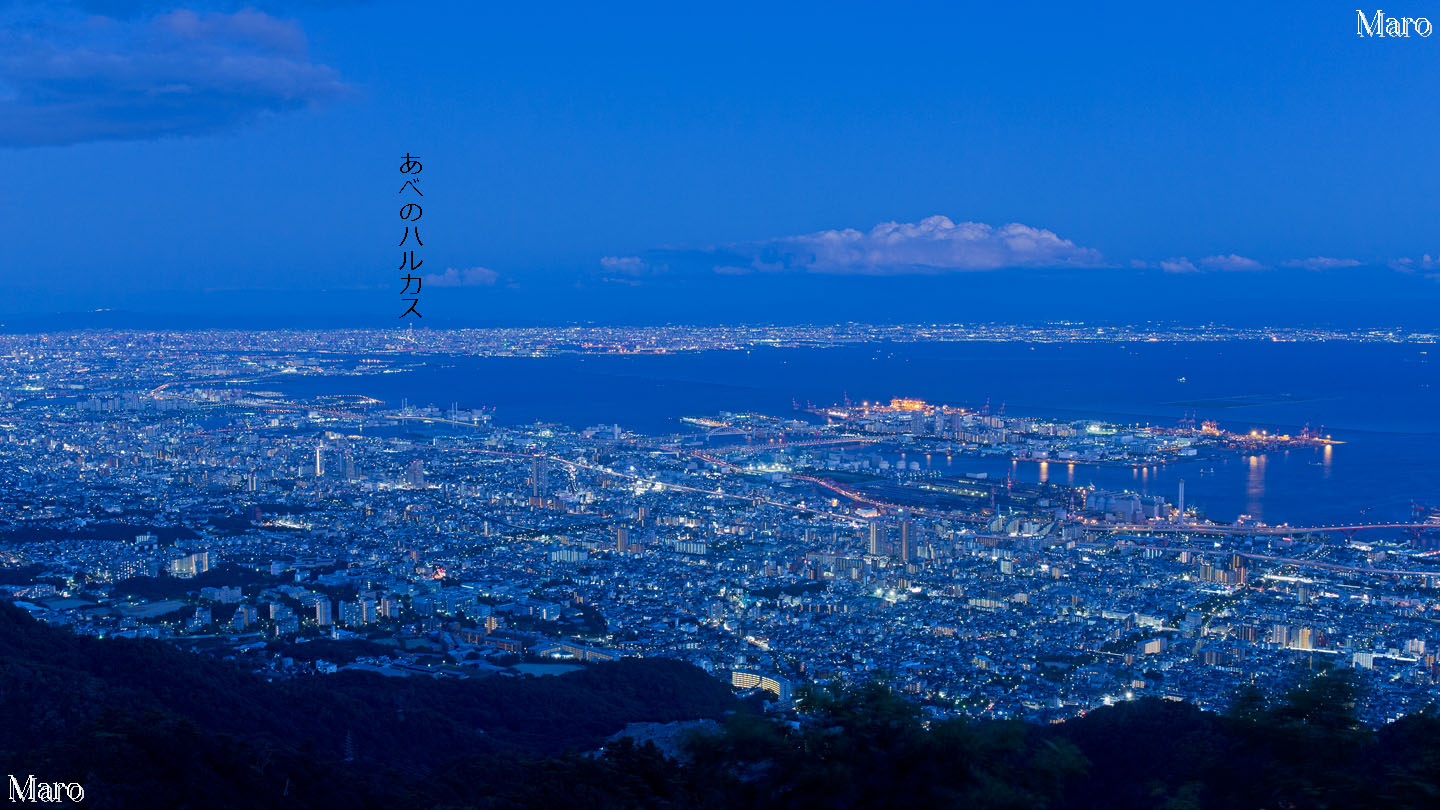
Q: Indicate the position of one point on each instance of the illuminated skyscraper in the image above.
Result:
(539, 478)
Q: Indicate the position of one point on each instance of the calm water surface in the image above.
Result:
(1381, 400)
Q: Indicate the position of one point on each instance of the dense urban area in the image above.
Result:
(156, 486)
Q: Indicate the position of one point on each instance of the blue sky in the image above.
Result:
(651, 163)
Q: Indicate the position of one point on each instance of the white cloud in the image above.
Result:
(1179, 265)
(1322, 263)
(469, 277)
(1425, 264)
(631, 265)
(934, 244)
(623, 264)
(1230, 262)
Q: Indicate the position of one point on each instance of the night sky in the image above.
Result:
(236, 164)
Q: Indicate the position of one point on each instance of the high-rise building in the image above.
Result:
(190, 565)
(319, 459)
(323, 615)
(780, 688)
(539, 478)
(877, 538)
(415, 474)
(357, 613)
(1280, 634)
(907, 541)
(245, 616)
(622, 538)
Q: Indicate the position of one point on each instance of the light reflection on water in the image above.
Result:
(1255, 487)
(1222, 487)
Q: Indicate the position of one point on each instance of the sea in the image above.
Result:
(1382, 400)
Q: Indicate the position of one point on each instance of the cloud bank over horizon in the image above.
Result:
(467, 277)
(939, 245)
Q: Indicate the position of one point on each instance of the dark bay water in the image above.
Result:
(1382, 400)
